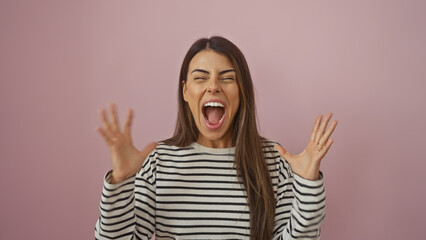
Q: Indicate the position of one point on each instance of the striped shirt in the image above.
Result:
(193, 193)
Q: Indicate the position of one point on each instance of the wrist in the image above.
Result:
(117, 177)
(310, 176)
(315, 177)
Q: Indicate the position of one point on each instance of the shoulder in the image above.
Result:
(271, 154)
(268, 144)
(161, 153)
(277, 165)
(162, 149)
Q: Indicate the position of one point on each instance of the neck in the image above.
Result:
(224, 142)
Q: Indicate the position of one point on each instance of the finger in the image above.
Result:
(128, 124)
(104, 136)
(113, 116)
(326, 148)
(105, 124)
(314, 130)
(328, 133)
(283, 153)
(321, 130)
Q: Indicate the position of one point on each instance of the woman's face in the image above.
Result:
(211, 91)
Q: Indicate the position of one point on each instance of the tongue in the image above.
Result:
(214, 114)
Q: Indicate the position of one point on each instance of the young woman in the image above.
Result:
(216, 178)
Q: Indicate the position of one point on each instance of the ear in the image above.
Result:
(185, 97)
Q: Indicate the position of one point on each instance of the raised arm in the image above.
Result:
(301, 184)
(128, 186)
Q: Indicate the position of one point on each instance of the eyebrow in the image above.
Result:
(204, 71)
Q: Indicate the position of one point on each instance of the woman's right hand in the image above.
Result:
(125, 158)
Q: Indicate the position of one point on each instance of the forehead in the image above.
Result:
(210, 60)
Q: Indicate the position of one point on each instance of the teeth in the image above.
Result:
(213, 104)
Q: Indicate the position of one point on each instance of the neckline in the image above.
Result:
(212, 150)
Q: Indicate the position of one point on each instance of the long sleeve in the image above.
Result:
(301, 202)
(127, 209)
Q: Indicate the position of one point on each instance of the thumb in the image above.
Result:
(284, 154)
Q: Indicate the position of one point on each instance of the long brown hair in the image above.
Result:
(249, 158)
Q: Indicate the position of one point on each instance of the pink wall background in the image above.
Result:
(61, 61)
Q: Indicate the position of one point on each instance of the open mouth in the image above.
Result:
(214, 114)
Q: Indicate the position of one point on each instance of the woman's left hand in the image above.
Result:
(307, 163)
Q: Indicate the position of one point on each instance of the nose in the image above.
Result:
(213, 86)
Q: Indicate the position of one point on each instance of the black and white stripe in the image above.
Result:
(193, 193)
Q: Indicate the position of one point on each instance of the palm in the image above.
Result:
(306, 164)
(125, 158)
